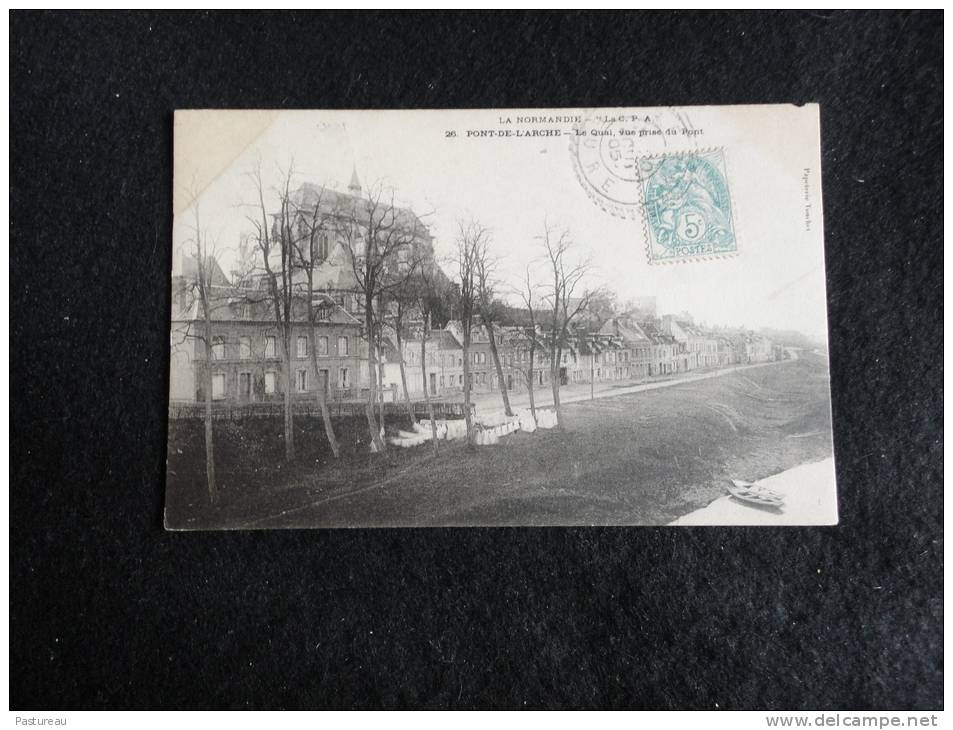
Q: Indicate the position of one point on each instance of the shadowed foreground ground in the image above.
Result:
(640, 458)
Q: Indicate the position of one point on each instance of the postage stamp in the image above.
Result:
(686, 206)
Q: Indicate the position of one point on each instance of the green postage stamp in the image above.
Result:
(687, 207)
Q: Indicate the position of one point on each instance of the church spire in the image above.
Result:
(355, 185)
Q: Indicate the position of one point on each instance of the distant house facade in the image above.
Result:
(444, 366)
(518, 341)
(637, 344)
(697, 348)
(663, 358)
(483, 375)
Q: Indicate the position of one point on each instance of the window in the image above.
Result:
(324, 380)
(271, 380)
(244, 348)
(244, 385)
(441, 381)
(323, 345)
(302, 347)
(218, 386)
(342, 346)
(270, 348)
(301, 381)
(460, 381)
(322, 246)
(343, 381)
(218, 349)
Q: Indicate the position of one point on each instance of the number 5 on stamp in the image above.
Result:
(687, 208)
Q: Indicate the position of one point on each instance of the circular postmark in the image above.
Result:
(607, 145)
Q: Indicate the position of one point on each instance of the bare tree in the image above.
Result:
(489, 307)
(196, 305)
(277, 248)
(200, 289)
(428, 293)
(529, 302)
(374, 231)
(566, 296)
(471, 240)
(401, 288)
(309, 250)
(404, 306)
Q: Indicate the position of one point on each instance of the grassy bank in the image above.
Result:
(638, 458)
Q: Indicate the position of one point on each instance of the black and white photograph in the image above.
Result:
(506, 317)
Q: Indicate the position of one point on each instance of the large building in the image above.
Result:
(328, 352)
(246, 358)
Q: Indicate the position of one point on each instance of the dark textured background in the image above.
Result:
(109, 611)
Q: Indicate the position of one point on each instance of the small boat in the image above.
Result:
(755, 494)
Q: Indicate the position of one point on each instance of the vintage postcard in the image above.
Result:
(499, 317)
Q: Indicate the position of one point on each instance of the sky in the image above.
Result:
(513, 186)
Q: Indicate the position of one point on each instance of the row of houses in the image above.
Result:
(622, 349)
(331, 355)
(328, 349)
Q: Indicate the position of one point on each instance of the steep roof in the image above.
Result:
(628, 330)
(234, 304)
(446, 340)
(655, 334)
(308, 195)
(190, 270)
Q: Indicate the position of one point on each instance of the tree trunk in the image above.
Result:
(499, 370)
(289, 399)
(531, 384)
(377, 443)
(466, 389)
(380, 392)
(423, 371)
(209, 436)
(403, 379)
(323, 399)
(554, 369)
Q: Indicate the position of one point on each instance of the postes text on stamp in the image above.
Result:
(686, 206)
